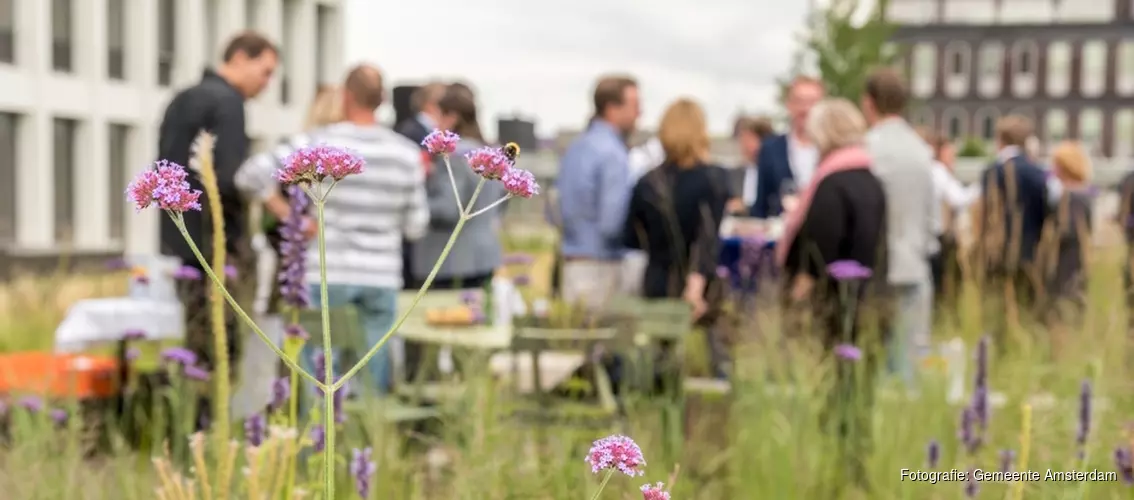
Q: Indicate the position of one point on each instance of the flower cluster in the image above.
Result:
(293, 250)
(254, 428)
(167, 186)
(187, 360)
(488, 162)
(312, 164)
(616, 452)
(362, 468)
(654, 492)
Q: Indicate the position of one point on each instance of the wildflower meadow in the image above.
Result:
(1026, 421)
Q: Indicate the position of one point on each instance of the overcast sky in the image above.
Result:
(541, 58)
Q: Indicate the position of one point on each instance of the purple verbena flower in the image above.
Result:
(980, 406)
(441, 142)
(1124, 463)
(134, 334)
(319, 362)
(315, 163)
(971, 485)
(318, 438)
(848, 352)
(362, 468)
(1007, 457)
(281, 391)
(254, 428)
(179, 355)
(967, 433)
(933, 453)
(520, 182)
(655, 492)
(296, 331)
(848, 270)
(132, 354)
(1084, 413)
(293, 252)
(230, 271)
(472, 297)
(33, 404)
(489, 162)
(59, 416)
(165, 185)
(187, 273)
(616, 452)
(193, 372)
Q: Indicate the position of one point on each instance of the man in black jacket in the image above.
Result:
(215, 105)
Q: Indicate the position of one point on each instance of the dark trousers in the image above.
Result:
(414, 352)
(1007, 294)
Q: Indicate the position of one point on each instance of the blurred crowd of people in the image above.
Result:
(845, 182)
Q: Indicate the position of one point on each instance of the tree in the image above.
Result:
(843, 49)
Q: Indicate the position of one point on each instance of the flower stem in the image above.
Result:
(328, 361)
(180, 223)
(420, 293)
(292, 412)
(452, 182)
(491, 206)
(602, 486)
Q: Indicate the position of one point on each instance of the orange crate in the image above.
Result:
(64, 376)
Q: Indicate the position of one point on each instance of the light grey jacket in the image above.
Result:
(477, 251)
(904, 164)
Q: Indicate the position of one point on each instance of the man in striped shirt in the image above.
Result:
(367, 216)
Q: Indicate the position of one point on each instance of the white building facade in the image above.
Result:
(84, 84)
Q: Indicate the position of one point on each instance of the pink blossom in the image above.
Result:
(616, 452)
(167, 186)
(520, 182)
(655, 492)
(489, 162)
(315, 163)
(441, 142)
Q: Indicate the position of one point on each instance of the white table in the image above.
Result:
(94, 321)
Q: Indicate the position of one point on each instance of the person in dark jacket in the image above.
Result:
(214, 105)
(674, 215)
(785, 163)
(425, 103)
(840, 218)
(1068, 242)
(1016, 200)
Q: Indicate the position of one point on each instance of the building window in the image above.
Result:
(986, 123)
(1092, 80)
(954, 120)
(1055, 127)
(923, 71)
(7, 31)
(116, 39)
(119, 144)
(1124, 133)
(1125, 71)
(991, 69)
(8, 142)
(65, 134)
(322, 31)
(1025, 55)
(62, 31)
(1058, 68)
(290, 25)
(1090, 129)
(167, 37)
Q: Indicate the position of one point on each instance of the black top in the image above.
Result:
(846, 221)
(1073, 230)
(412, 129)
(675, 216)
(217, 107)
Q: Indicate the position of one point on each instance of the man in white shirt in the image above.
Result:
(788, 161)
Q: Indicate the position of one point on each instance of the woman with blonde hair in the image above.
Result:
(1068, 234)
(674, 216)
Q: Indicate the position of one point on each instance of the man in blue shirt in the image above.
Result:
(593, 188)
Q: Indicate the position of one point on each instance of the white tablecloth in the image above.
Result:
(93, 321)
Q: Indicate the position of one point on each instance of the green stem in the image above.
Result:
(293, 413)
(180, 223)
(328, 362)
(602, 486)
(420, 293)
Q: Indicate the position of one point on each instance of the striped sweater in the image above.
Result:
(367, 216)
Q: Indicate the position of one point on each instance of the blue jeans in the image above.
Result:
(377, 310)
